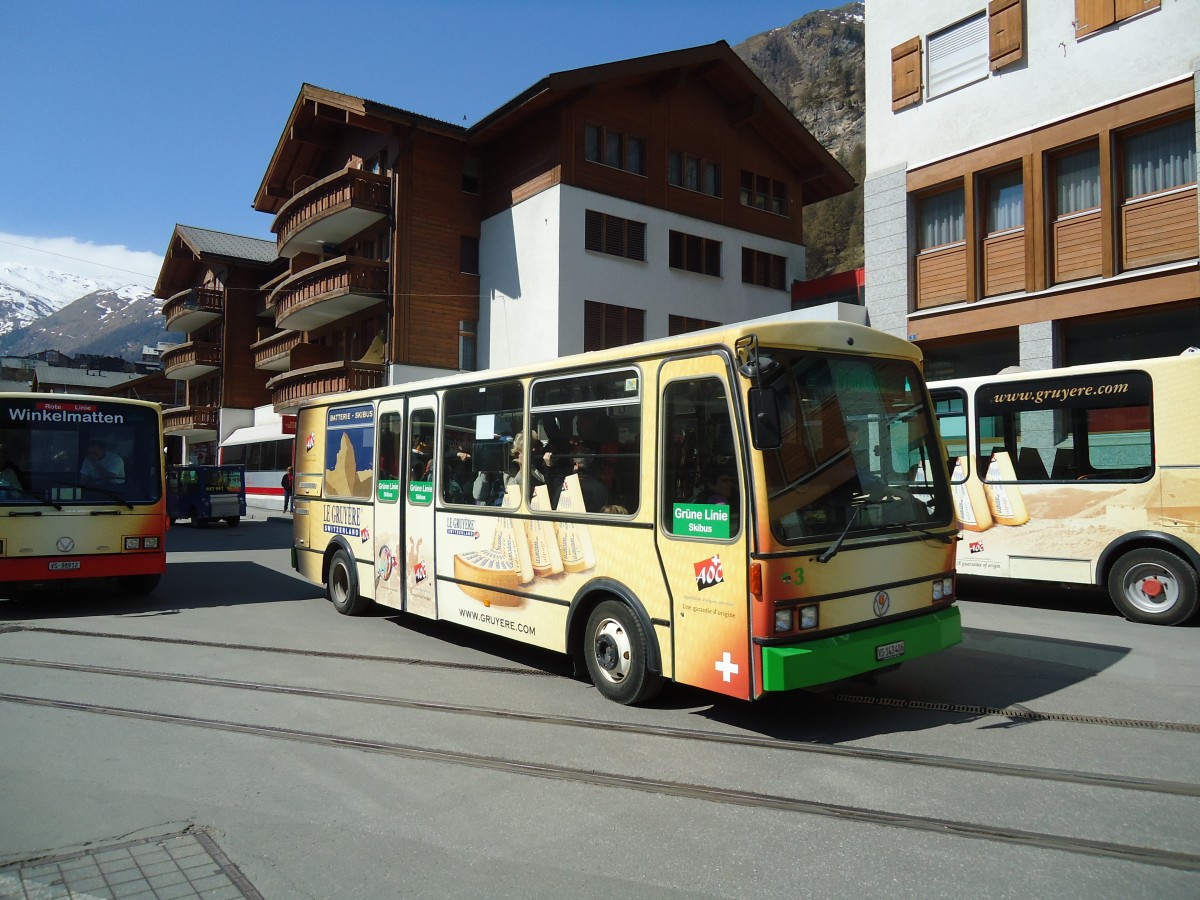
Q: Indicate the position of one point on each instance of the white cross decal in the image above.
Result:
(726, 666)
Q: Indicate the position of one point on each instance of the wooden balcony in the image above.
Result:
(185, 361)
(196, 422)
(192, 309)
(331, 211)
(329, 291)
(290, 388)
(287, 350)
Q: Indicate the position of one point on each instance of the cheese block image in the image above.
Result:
(491, 568)
(574, 540)
(1005, 500)
(543, 542)
(344, 479)
(970, 501)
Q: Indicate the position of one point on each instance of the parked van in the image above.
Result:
(206, 493)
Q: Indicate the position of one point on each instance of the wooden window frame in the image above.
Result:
(1006, 33)
(768, 270)
(614, 235)
(772, 192)
(703, 163)
(603, 133)
(692, 253)
(1096, 15)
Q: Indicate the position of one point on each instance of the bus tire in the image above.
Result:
(616, 655)
(137, 585)
(232, 521)
(341, 585)
(1154, 586)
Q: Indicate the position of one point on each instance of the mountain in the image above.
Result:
(108, 321)
(817, 67)
(28, 293)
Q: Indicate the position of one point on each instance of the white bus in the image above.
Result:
(731, 509)
(1087, 475)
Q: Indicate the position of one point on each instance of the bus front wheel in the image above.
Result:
(341, 585)
(616, 654)
(1154, 586)
(137, 585)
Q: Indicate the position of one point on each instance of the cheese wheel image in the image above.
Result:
(486, 568)
(1005, 500)
(543, 544)
(574, 541)
(970, 502)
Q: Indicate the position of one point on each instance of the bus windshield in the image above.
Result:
(859, 452)
(70, 452)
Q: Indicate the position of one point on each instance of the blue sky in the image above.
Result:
(123, 118)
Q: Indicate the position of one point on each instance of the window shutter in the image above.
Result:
(637, 240)
(1092, 15)
(593, 325)
(906, 74)
(636, 326)
(593, 236)
(1006, 27)
(1127, 8)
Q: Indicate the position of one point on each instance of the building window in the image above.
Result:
(694, 173)
(470, 175)
(1006, 202)
(1003, 245)
(958, 55)
(941, 219)
(608, 325)
(1077, 182)
(761, 192)
(467, 343)
(1161, 159)
(685, 324)
(694, 253)
(468, 255)
(764, 269)
(614, 235)
(614, 148)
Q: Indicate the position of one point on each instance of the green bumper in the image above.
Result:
(833, 658)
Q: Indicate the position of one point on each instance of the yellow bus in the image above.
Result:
(734, 509)
(81, 491)
(1087, 474)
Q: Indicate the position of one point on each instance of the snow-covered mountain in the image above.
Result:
(46, 309)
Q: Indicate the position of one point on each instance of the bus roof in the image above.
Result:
(1121, 365)
(794, 330)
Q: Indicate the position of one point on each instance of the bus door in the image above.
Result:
(701, 532)
(388, 524)
(417, 557)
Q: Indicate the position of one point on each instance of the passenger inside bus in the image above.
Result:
(101, 464)
(11, 484)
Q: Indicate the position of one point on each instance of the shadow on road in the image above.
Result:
(231, 583)
(271, 534)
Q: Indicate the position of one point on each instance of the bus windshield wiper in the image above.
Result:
(944, 538)
(110, 494)
(837, 545)
(38, 497)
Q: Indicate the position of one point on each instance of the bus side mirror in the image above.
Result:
(764, 419)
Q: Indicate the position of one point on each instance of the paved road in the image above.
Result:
(1054, 752)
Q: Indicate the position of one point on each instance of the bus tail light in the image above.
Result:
(943, 589)
(756, 581)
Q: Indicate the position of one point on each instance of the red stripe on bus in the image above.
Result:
(264, 491)
(37, 568)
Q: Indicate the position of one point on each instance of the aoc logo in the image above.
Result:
(709, 572)
(882, 604)
(310, 442)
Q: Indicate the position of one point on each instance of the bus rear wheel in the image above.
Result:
(1154, 586)
(616, 654)
(341, 585)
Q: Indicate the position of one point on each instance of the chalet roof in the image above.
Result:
(68, 377)
(318, 111)
(190, 246)
(749, 101)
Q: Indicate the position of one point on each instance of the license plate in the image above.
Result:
(64, 565)
(889, 651)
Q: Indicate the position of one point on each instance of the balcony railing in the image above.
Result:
(192, 309)
(331, 211)
(199, 422)
(291, 388)
(329, 291)
(186, 361)
(272, 353)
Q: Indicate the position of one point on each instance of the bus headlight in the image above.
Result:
(150, 543)
(783, 619)
(132, 543)
(943, 588)
(808, 617)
